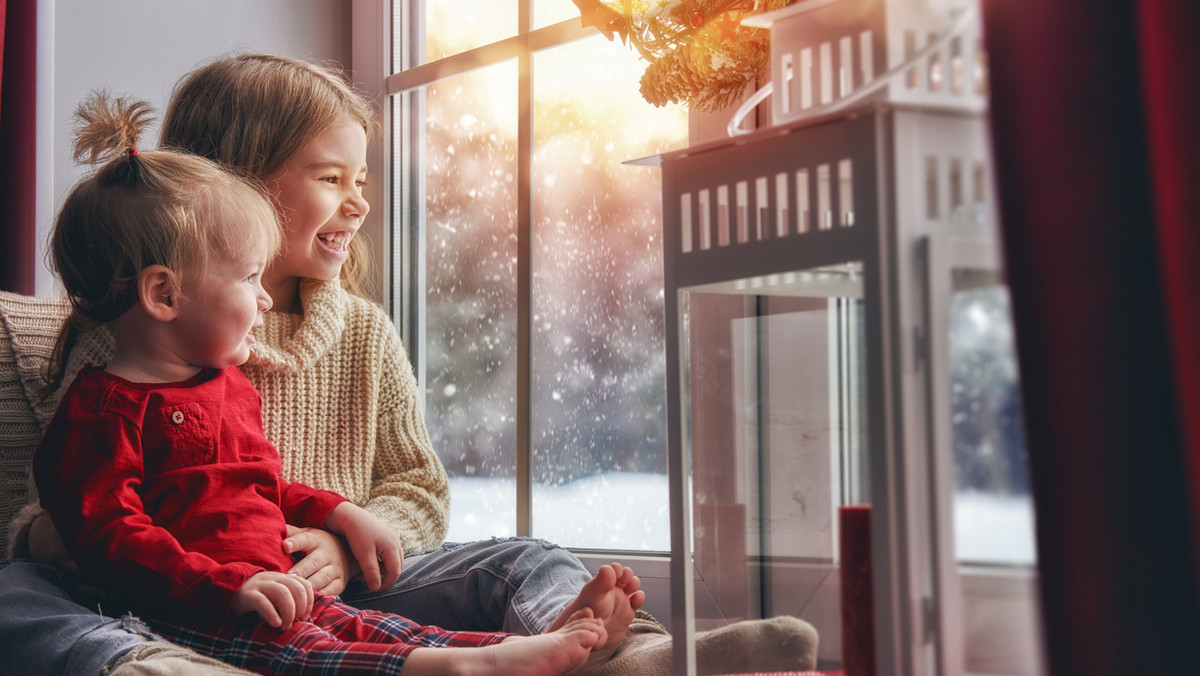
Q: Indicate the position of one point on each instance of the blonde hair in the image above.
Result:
(252, 112)
(141, 208)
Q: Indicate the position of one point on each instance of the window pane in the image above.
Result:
(463, 25)
(470, 295)
(547, 12)
(993, 509)
(599, 390)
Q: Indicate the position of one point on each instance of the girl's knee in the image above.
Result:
(531, 547)
(554, 558)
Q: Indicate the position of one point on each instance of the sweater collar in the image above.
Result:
(289, 342)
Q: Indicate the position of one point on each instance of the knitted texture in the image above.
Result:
(776, 644)
(94, 347)
(340, 403)
(28, 329)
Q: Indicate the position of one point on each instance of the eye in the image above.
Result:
(330, 179)
(360, 182)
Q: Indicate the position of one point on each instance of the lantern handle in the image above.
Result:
(735, 128)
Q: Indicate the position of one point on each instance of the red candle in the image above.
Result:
(858, 612)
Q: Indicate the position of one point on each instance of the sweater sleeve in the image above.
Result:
(409, 487)
(95, 505)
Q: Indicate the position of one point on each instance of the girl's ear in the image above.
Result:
(157, 288)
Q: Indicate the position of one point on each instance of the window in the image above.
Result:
(529, 258)
(987, 579)
(993, 508)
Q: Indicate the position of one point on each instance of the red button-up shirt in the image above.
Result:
(169, 493)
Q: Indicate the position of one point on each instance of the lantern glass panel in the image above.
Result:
(775, 422)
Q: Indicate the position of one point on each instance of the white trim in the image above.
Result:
(487, 55)
(653, 570)
(370, 31)
(43, 159)
(942, 256)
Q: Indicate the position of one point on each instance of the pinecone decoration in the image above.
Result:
(704, 80)
(698, 51)
(673, 78)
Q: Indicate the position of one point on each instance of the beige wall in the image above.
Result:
(140, 48)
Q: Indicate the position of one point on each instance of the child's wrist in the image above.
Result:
(335, 522)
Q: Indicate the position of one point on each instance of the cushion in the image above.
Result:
(28, 329)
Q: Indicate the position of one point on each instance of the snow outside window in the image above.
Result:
(541, 288)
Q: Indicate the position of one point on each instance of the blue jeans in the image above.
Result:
(44, 630)
(517, 585)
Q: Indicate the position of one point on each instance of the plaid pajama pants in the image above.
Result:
(336, 638)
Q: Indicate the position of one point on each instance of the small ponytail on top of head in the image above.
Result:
(107, 128)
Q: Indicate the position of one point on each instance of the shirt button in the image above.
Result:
(177, 417)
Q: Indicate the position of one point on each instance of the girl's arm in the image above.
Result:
(29, 538)
(409, 488)
(375, 545)
(325, 559)
(328, 563)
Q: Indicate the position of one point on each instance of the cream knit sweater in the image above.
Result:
(341, 404)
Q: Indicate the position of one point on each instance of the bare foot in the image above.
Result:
(565, 650)
(557, 653)
(613, 594)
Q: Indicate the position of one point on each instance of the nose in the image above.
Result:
(356, 205)
(264, 300)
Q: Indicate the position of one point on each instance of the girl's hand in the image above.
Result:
(327, 563)
(45, 544)
(279, 598)
(376, 546)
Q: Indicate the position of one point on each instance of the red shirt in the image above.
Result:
(169, 492)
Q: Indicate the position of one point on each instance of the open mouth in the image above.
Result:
(336, 241)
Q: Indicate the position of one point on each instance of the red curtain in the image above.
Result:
(18, 151)
(1171, 75)
(1093, 109)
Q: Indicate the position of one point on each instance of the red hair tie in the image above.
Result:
(133, 151)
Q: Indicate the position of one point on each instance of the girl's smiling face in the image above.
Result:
(318, 192)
